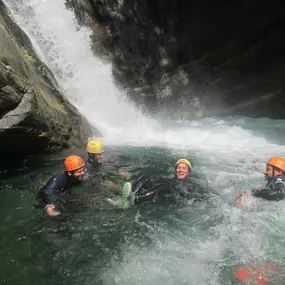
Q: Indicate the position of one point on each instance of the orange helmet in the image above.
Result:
(73, 162)
(278, 162)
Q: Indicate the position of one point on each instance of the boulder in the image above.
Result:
(34, 116)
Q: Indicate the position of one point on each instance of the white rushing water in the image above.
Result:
(84, 79)
(88, 84)
(231, 152)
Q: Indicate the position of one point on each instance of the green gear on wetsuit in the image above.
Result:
(127, 194)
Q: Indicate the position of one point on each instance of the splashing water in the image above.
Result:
(231, 152)
(88, 84)
(84, 79)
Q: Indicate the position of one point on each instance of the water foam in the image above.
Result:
(83, 77)
(231, 151)
(87, 82)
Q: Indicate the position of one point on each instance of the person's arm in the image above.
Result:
(50, 192)
(120, 178)
(114, 187)
(125, 174)
(257, 193)
(276, 192)
(242, 198)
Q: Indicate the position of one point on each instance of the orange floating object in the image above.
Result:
(242, 274)
(256, 276)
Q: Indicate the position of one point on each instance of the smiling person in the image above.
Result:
(183, 185)
(183, 169)
(179, 189)
(72, 175)
(274, 190)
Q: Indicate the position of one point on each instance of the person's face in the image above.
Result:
(269, 172)
(182, 171)
(98, 157)
(77, 174)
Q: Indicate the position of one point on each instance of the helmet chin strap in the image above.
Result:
(273, 175)
(274, 170)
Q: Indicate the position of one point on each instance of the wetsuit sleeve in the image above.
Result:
(275, 192)
(49, 193)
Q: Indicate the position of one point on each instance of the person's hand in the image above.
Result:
(109, 184)
(50, 209)
(125, 174)
(241, 200)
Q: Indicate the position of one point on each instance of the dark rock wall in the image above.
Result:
(203, 57)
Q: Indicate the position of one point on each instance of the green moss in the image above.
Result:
(43, 134)
(28, 57)
(51, 103)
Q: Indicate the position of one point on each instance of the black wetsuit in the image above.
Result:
(187, 190)
(59, 183)
(166, 190)
(93, 173)
(273, 191)
(95, 169)
(88, 167)
(102, 172)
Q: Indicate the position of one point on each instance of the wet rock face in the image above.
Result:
(34, 116)
(206, 57)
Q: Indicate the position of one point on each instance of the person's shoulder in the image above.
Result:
(192, 183)
(280, 178)
(57, 176)
(279, 181)
(87, 166)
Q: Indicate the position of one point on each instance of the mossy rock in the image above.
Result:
(34, 116)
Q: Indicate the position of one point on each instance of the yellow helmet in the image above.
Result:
(184, 160)
(95, 146)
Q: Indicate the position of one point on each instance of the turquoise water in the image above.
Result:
(97, 242)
